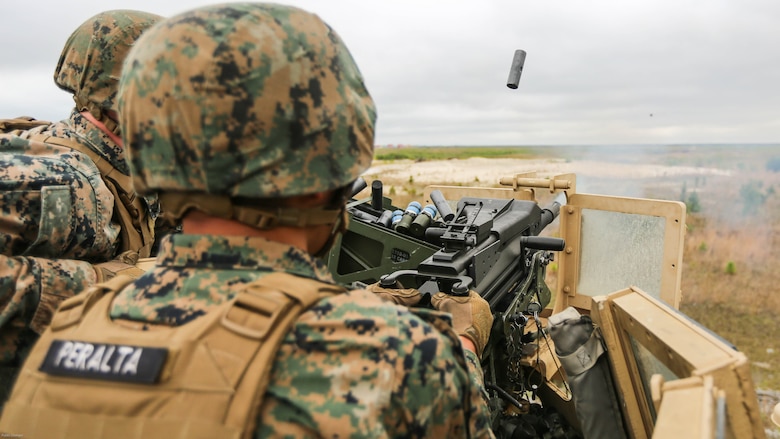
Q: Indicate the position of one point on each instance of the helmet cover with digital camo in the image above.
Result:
(225, 105)
(91, 61)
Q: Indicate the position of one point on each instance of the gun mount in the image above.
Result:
(500, 242)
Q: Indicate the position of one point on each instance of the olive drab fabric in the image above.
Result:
(91, 61)
(261, 119)
(209, 375)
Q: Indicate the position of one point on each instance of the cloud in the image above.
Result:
(594, 73)
(32, 92)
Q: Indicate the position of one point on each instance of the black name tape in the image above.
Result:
(103, 361)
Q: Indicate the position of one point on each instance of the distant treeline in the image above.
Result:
(452, 152)
(717, 155)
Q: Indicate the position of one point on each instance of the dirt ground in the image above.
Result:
(478, 168)
(606, 177)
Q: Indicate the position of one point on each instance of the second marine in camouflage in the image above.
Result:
(66, 198)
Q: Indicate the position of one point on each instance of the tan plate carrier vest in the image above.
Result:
(131, 213)
(211, 383)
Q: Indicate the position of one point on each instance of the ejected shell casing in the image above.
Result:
(445, 211)
(516, 69)
(423, 220)
(412, 210)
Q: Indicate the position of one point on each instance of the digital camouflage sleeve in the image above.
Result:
(32, 289)
(386, 371)
(54, 209)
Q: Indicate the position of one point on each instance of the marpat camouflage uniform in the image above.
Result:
(57, 214)
(223, 108)
(352, 366)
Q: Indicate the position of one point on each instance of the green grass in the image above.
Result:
(454, 152)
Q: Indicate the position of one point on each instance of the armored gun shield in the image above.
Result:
(615, 242)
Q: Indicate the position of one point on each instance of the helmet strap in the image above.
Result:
(340, 227)
(176, 204)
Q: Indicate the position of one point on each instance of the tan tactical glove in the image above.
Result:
(399, 296)
(471, 316)
(123, 264)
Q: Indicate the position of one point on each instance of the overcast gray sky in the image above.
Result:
(596, 72)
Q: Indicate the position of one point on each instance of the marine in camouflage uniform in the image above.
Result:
(252, 121)
(58, 214)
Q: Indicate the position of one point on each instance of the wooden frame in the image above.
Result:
(632, 317)
(609, 252)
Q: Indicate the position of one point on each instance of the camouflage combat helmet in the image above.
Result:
(227, 104)
(91, 61)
